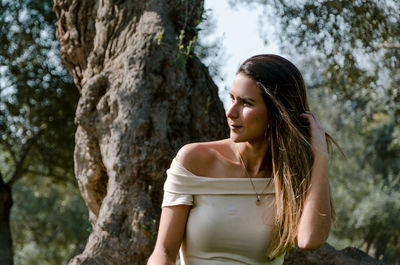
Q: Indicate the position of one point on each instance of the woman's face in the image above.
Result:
(247, 115)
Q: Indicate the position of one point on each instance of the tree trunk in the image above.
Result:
(143, 96)
(6, 257)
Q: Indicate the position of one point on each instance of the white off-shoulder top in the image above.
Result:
(225, 225)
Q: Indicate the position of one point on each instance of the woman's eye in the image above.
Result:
(243, 102)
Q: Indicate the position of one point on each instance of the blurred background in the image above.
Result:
(347, 51)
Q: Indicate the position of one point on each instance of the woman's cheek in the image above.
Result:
(254, 116)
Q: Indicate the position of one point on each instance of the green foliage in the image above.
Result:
(366, 188)
(38, 97)
(37, 106)
(188, 19)
(185, 51)
(355, 46)
(49, 222)
(377, 209)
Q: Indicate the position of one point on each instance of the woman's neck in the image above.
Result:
(253, 155)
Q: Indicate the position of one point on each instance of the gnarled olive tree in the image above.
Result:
(143, 95)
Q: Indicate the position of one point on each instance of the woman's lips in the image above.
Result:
(235, 127)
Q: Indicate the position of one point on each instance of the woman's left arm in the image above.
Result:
(315, 221)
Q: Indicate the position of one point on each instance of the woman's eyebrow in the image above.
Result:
(247, 98)
(243, 98)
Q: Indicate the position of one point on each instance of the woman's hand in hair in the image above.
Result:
(318, 139)
(315, 220)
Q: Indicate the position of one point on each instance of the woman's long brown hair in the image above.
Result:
(290, 154)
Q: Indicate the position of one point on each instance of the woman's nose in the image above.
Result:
(231, 112)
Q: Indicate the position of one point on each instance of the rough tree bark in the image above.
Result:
(142, 98)
(328, 255)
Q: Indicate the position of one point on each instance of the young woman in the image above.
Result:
(249, 198)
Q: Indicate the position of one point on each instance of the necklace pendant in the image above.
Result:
(258, 202)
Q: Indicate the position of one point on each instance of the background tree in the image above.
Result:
(37, 103)
(352, 50)
(143, 95)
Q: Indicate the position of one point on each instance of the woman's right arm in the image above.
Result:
(170, 235)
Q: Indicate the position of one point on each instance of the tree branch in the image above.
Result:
(19, 170)
(387, 45)
(9, 149)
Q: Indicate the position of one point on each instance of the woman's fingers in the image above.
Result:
(312, 118)
(318, 140)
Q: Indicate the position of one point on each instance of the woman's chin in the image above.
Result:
(236, 138)
(241, 138)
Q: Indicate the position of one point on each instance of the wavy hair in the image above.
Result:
(290, 154)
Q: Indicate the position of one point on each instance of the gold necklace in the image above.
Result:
(258, 202)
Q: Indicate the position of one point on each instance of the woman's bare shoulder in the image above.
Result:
(199, 157)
